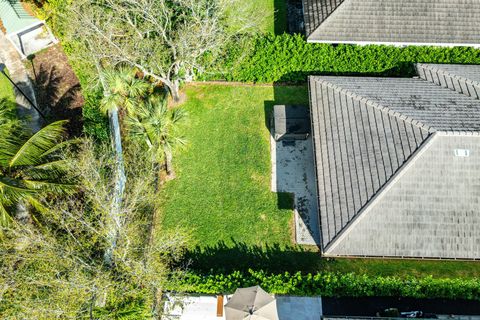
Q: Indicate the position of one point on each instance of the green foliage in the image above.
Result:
(31, 166)
(330, 284)
(289, 58)
(95, 122)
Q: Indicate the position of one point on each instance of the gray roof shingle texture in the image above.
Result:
(431, 212)
(365, 131)
(393, 21)
(461, 78)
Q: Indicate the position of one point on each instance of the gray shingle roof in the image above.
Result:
(365, 132)
(464, 79)
(316, 11)
(446, 22)
(432, 211)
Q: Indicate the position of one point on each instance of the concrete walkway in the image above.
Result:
(10, 57)
(205, 308)
(293, 172)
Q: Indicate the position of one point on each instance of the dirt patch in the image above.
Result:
(182, 98)
(57, 88)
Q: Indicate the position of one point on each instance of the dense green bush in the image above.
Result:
(288, 58)
(95, 123)
(330, 284)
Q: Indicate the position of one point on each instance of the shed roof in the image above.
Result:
(438, 22)
(366, 131)
(14, 17)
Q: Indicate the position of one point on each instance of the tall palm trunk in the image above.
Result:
(169, 165)
(114, 223)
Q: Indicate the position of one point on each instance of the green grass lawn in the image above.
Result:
(6, 89)
(223, 189)
(275, 14)
(222, 193)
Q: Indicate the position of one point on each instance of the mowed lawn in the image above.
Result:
(223, 187)
(222, 193)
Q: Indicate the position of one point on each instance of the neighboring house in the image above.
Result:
(405, 22)
(398, 163)
(27, 33)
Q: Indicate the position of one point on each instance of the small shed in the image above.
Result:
(290, 122)
(27, 33)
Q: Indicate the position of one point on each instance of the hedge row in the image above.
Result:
(329, 284)
(289, 58)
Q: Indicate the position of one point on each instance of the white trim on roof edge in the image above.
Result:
(396, 44)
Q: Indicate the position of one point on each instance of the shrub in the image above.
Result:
(95, 123)
(289, 58)
(329, 284)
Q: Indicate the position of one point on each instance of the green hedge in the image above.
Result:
(329, 284)
(289, 58)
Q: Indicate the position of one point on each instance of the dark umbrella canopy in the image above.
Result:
(251, 304)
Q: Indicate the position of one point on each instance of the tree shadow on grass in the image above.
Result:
(223, 257)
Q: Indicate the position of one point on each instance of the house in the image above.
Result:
(26, 33)
(398, 163)
(406, 22)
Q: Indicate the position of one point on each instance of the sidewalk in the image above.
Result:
(10, 57)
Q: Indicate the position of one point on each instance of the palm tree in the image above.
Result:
(30, 165)
(125, 90)
(156, 125)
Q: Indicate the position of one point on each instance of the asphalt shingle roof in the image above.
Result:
(446, 22)
(365, 132)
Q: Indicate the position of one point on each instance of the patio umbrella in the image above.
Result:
(251, 304)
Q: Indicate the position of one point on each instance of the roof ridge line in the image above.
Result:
(378, 106)
(381, 192)
(430, 67)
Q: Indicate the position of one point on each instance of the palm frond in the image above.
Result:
(12, 190)
(30, 153)
(50, 186)
(5, 217)
(61, 146)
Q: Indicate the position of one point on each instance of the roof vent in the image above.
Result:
(462, 152)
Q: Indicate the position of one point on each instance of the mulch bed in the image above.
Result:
(57, 88)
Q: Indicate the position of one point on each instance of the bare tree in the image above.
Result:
(167, 40)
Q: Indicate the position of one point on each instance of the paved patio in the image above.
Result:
(293, 171)
(205, 307)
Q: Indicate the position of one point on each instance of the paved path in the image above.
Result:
(293, 172)
(10, 57)
(205, 308)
